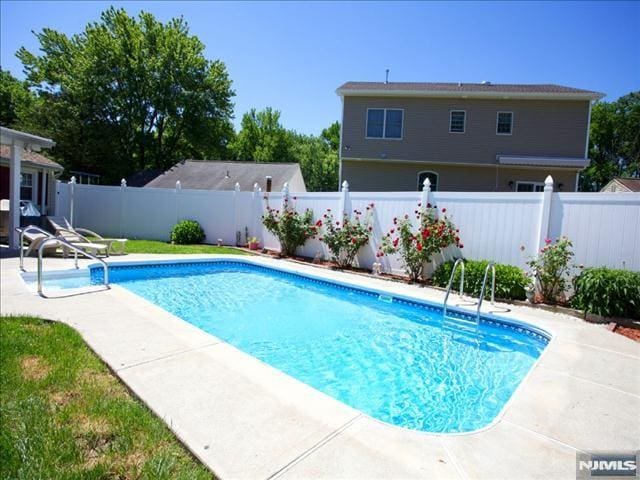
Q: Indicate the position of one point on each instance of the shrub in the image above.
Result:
(433, 234)
(290, 227)
(187, 232)
(607, 292)
(345, 240)
(511, 282)
(551, 269)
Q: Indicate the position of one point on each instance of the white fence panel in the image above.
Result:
(149, 213)
(97, 209)
(604, 227)
(212, 210)
(494, 226)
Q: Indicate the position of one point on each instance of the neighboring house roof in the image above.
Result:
(29, 158)
(543, 161)
(220, 175)
(141, 178)
(471, 90)
(622, 184)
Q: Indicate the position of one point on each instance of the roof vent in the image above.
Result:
(485, 82)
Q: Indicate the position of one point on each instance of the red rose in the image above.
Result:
(419, 246)
(353, 240)
(395, 242)
(460, 246)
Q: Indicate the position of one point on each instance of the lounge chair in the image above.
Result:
(35, 239)
(78, 236)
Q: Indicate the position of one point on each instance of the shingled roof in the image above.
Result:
(30, 157)
(484, 89)
(220, 175)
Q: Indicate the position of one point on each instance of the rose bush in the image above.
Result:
(290, 227)
(551, 270)
(416, 246)
(345, 238)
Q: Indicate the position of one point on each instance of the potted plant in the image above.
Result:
(253, 243)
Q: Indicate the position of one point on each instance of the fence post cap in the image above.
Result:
(73, 179)
(345, 185)
(548, 183)
(285, 188)
(178, 185)
(123, 183)
(237, 187)
(256, 187)
(426, 184)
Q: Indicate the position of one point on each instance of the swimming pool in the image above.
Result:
(394, 359)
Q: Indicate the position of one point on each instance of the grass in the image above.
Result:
(64, 415)
(153, 246)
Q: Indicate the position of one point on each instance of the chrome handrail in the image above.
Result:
(76, 250)
(493, 290)
(24, 230)
(459, 261)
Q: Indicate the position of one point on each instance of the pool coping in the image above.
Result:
(376, 285)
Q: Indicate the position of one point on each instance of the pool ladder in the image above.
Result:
(49, 241)
(491, 265)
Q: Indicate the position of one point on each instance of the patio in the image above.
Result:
(245, 419)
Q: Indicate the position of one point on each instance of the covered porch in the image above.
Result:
(26, 175)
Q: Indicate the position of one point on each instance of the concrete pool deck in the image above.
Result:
(245, 419)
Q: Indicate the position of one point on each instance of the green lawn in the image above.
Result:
(154, 246)
(64, 415)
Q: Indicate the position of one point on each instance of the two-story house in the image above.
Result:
(463, 136)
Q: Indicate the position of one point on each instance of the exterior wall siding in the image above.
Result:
(554, 128)
(395, 176)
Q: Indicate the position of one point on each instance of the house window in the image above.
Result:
(433, 178)
(504, 124)
(26, 186)
(530, 187)
(457, 121)
(384, 123)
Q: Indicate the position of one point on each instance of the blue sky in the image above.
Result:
(292, 56)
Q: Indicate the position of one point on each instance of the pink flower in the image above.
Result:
(444, 210)
(395, 242)
(547, 241)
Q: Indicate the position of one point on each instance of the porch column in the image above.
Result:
(14, 192)
(43, 192)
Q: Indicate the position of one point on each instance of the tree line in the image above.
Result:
(130, 94)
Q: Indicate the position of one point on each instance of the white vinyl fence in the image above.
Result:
(505, 227)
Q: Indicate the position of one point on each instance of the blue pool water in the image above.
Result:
(397, 361)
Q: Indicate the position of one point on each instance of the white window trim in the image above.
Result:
(512, 123)
(525, 182)
(431, 172)
(34, 185)
(464, 124)
(384, 124)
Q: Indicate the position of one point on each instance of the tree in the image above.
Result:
(262, 138)
(614, 142)
(129, 94)
(15, 99)
(318, 161)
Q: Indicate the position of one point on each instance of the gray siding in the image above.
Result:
(554, 128)
(373, 176)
